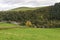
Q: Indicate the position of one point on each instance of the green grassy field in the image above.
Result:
(8, 25)
(30, 34)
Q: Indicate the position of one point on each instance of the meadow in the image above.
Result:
(29, 33)
(7, 25)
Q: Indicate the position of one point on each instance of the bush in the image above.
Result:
(28, 23)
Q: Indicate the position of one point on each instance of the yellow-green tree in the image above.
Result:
(28, 23)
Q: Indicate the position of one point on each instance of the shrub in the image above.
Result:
(28, 23)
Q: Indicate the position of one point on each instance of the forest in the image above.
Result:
(42, 17)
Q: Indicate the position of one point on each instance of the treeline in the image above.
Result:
(45, 17)
(37, 17)
(55, 12)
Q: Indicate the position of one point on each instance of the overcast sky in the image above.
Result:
(9, 4)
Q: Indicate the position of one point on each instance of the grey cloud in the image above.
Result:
(37, 3)
(9, 4)
(11, 1)
(33, 2)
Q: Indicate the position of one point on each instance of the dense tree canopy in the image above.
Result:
(42, 17)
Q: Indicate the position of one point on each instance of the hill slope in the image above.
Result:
(23, 9)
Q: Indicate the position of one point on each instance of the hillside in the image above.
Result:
(29, 8)
(23, 8)
(41, 17)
